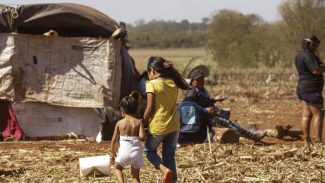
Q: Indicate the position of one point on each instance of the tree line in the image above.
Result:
(168, 34)
(239, 40)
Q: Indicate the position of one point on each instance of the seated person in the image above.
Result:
(209, 114)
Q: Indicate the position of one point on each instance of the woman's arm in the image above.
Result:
(319, 70)
(313, 63)
(150, 108)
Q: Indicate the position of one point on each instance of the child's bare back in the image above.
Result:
(130, 126)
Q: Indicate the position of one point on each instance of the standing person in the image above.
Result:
(160, 113)
(130, 131)
(130, 74)
(310, 87)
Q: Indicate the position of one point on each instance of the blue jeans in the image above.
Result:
(231, 125)
(169, 142)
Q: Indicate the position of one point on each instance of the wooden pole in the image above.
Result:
(209, 140)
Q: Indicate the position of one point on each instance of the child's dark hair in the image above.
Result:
(130, 103)
(158, 64)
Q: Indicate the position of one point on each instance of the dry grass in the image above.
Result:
(248, 163)
(58, 162)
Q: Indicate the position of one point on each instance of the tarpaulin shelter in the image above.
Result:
(70, 20)
(57, 81)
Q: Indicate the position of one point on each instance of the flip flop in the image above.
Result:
(168, 177)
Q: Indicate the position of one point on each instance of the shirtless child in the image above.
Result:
(130, 132)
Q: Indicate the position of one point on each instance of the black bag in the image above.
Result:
(190, 120)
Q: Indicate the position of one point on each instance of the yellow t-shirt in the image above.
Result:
(165, 118)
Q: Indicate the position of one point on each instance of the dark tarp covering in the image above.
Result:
(129, 81)
(69, 20)
(3, 24)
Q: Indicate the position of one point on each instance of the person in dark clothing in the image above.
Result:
(130, 74)
(209, 113)
(310, 87)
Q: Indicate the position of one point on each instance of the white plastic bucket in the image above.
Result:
(95, 165)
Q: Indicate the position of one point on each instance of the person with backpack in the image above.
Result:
(310, 87)
(161, 114)
(208, 114)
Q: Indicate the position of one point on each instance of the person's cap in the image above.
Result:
(313, 39)
(196, 75)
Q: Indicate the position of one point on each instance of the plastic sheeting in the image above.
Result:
(72, 72)
(42, 120)
(9, 126)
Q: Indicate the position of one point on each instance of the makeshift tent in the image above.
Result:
(64, 71)
(56, 79)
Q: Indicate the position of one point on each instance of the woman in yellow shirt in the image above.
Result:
(162, 90)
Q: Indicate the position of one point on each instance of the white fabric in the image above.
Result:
(130, 152)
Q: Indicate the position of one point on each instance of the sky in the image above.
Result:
(131, 11)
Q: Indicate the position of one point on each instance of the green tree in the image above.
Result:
(168, 34)
(302, 17)
(234, 39)
(273, 46)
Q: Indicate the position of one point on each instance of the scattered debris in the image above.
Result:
(282, 132)
(229, 137)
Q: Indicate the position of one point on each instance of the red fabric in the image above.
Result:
(8, 121)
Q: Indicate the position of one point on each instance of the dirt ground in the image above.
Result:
(280, 161)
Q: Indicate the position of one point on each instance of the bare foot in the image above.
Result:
(308, 145)
(319, 142)
(168, 176)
